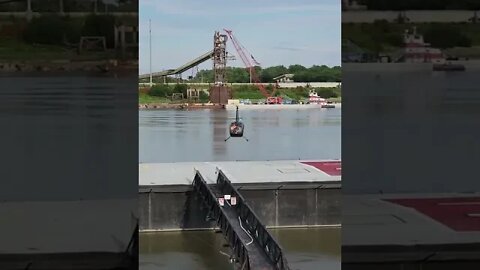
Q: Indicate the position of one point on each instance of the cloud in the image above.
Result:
(307, 49)
(293, 49)
(274, 31)
(221, 9)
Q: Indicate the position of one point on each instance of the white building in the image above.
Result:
(284, 78)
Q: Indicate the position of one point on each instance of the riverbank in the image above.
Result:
(186, 106)
(404, 67)
(148, 102)
(307, 249)
(104, 66)
(456, 39)
(180, 106)
(284, 194)
(162, 94)
(281, 106)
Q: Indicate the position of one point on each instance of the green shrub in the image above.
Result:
(446, 36)
(46, 30)
(100, 25)
(247, 92)
(161, 90)
(180, 88)
(269, 88)
(204, 96)
(327, 93)
(74, 29)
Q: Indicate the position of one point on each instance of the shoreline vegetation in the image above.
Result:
(381, 37)
(298, 73)
(419, 5)
(161, 96)
(51, 42)
(169, 92)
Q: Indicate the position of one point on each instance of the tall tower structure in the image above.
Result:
(219, 58)
(220, 92)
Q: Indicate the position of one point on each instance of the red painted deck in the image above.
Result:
(332, 168)
(459, 214)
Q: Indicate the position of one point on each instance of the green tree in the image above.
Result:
(162, 90)
(46, 30)
(270, 89)
(446, 36)
(100, 25)
(205, 74)
(238, 75)
(327, 93)
(296, 68)
(266, 76)
(203, 96)
(180, 88)
(301, 74)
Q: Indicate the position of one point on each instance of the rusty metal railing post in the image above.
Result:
(253, 224)
(209, 198)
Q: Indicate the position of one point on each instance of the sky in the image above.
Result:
(275, 32)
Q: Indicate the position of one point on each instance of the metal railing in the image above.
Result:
(253, 224)
(217, 214)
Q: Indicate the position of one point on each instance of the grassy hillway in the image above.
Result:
(162, 93)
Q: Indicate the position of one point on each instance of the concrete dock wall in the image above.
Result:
(176, 207)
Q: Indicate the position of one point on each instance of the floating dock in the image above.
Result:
(411, 229)
(289, 193)
(242, 172)
(199, 106)
(253, 247)
(280, 106)
(46, 235)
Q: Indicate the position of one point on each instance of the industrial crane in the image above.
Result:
(242, 53)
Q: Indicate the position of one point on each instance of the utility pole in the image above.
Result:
(150, 30)
(250, 69)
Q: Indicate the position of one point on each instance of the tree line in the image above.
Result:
(243, 92)
(70, 5)
(266, 75)
(381, 34)
(421, 4)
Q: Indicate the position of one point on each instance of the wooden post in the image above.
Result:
(104, 43)
(116, 36)
(60, 3)
(29, 10)
(122, 36)
(134, 33)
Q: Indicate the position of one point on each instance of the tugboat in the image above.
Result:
(448, 67)
(328, 105)
(418, 51)
(314, 98)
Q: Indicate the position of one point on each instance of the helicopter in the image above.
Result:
(236, 128)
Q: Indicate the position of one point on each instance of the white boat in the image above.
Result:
(418, 51)
(314, 98)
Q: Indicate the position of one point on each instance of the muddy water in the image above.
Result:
(306, 249)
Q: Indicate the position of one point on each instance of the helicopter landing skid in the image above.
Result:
(231, 137)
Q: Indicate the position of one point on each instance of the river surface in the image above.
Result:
(198, 135)
(410, 130)
(68, 136)
(306, 249)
